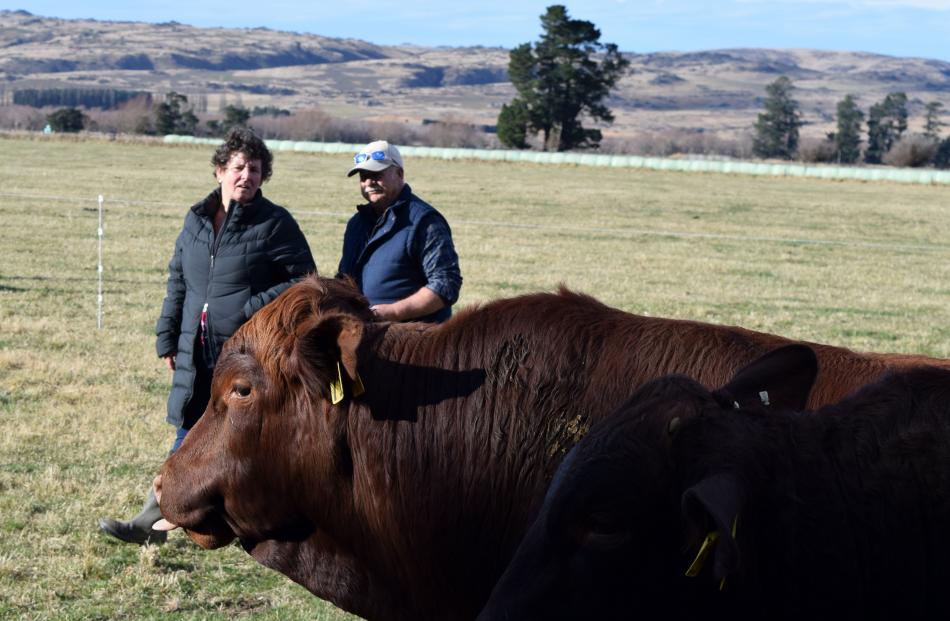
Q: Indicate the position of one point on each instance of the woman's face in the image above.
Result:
(240, 179)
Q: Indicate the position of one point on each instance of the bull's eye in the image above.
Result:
(603, 530)
(241, 389)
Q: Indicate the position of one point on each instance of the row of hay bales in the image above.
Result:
(789, 169)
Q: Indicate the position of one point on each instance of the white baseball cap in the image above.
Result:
(376, 156)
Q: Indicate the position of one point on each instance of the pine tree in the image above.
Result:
(942, 156)
(932, 122)
(887, 121)
(558, 80)
(776, 130)
(172, 117)
(513, 124)
(847, 139)
(234, 116)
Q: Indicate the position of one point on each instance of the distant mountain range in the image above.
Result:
(718, 91)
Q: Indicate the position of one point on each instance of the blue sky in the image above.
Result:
(896, 27)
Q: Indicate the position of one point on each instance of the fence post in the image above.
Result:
(99, 297)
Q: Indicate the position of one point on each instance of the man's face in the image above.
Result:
(381, 188)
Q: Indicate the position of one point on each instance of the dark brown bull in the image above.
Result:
(406, 501)
(839, 515)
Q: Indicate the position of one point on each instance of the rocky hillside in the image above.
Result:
(39, 46)
(718, 92)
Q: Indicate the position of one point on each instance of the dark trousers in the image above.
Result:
(200, 396)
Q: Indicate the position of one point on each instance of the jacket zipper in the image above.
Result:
(388, 219)
(206, 339)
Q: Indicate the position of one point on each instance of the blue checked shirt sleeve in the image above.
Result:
(439, 260)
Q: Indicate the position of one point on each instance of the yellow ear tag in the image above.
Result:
(735, 524)
(703, 554)
(705, 549)
(358, 388)
(336, 387)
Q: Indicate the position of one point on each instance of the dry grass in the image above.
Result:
(856, 264)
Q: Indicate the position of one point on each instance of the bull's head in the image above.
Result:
(609, 539)
(258, 465)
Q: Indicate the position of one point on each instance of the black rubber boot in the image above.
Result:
(138, 529)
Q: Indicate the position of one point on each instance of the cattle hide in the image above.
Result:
(407, 498)
(837, 514)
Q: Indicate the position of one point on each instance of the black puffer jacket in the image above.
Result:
(259, 252)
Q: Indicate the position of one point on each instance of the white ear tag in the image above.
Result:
(764, 396)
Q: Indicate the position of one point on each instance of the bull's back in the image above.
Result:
(487, 405)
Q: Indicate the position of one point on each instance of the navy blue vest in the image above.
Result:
(384, 255)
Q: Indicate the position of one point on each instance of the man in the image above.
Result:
(397, 247)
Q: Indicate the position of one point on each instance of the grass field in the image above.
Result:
(862, 265)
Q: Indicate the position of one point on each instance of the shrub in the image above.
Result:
(452, 132)
(132, 117)
(911, 151)
(817, 150)
(21, 118)
(315, 124)
(681, 141)
(67, 120)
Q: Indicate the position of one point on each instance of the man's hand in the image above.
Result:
(421, 303)
(386, 312)
(170, 361)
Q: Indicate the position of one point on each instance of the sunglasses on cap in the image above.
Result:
(359, 158)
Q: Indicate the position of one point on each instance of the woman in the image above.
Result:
(236, 252)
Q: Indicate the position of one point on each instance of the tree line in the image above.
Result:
(567, 75)
(172, 115)
(883, 133)
(104, 98)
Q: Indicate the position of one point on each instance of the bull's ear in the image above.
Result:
(332, 340)
(348, 340)
(711, 509)
(780, 379)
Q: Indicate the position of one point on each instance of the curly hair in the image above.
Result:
(244, 140)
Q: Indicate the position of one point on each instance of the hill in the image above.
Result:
(715, 92)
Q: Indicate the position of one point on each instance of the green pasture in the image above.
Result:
(82, 431)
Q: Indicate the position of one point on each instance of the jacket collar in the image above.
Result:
(206, 207)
